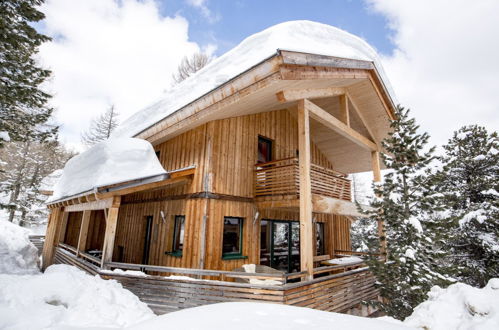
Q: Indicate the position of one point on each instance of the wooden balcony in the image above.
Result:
(281, 178)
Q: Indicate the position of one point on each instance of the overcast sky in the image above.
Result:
(440, 56)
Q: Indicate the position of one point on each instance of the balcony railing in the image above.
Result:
(281, 177)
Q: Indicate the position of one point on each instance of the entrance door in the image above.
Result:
(280, 245)
(147, 240)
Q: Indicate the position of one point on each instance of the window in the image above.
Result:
(178, 234)
(232, 239)
(264, 150)
(319, 238)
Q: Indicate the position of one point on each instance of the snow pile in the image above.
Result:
(249, 316)
(108, 162)
(460, 306)
(298, 36)
(48, 183)
(344, 260)
(65, 297)
(17, 254)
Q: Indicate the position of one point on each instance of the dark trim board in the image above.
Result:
(204, 194)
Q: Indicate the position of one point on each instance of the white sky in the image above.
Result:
(445, 65)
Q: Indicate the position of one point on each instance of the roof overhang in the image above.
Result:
(257, 90)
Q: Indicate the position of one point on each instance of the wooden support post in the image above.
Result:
(306, 226)
(111, 221)
(52, 236)
(344, 112)
(377, 178)
(82, 239)
(64, 224)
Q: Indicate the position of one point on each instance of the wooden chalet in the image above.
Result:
(256, 172)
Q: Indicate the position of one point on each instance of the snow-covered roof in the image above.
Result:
(48, 183)
(113, 161)
(298, 36)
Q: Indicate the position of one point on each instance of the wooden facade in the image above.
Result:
(318, 126)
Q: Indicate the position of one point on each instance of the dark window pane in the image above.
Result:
(178, 233)
(264, 150)
(319, 236)
(232, 235)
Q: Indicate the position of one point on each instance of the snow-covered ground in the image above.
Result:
(65, 297)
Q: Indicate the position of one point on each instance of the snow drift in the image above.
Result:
(64, 297)
(249, 316)
(17, 254)
(299, 36)
(460, 306)
(112, 161)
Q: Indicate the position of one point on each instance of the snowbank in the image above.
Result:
(460, 306)
(17, 254)
(112, 161)
(65, 297)
(250, 316)
(299, 36)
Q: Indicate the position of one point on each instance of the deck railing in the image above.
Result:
(281, 177)
(336, 292)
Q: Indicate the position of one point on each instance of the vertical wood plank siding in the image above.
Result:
(73, 228)
(224, 152)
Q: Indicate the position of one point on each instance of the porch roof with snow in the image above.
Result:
(252, 77)
(111, 168)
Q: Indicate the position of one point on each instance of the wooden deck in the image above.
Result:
(343, 292)
(281, 177)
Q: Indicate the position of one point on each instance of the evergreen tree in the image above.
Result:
(405, 202)
(101, 127)
(23, 105)
(469, 182)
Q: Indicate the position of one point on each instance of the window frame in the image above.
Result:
(239, 254)
(178, 218)
(270, 143)
(320, 232)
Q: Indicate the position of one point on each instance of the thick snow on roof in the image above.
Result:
(112, 161)
(48, 183)
(299, 36)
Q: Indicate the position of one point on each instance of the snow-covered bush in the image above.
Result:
(460, 306)
(17, 254)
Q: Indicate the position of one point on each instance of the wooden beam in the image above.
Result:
(290, 95)
(64, 225)
(111, 221)
(306, 225)
(148, 186)
(362, 118)
(376, 164)
(324, 204)
(344, 111)
(82, 239)
(95, 205)
(51, 236)
(336, 125)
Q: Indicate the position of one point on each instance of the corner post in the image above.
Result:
(376, 165)
(82, 239)
(52, 236)
(306, 227)
(111, 221)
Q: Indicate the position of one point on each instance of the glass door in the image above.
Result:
(280, 245)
